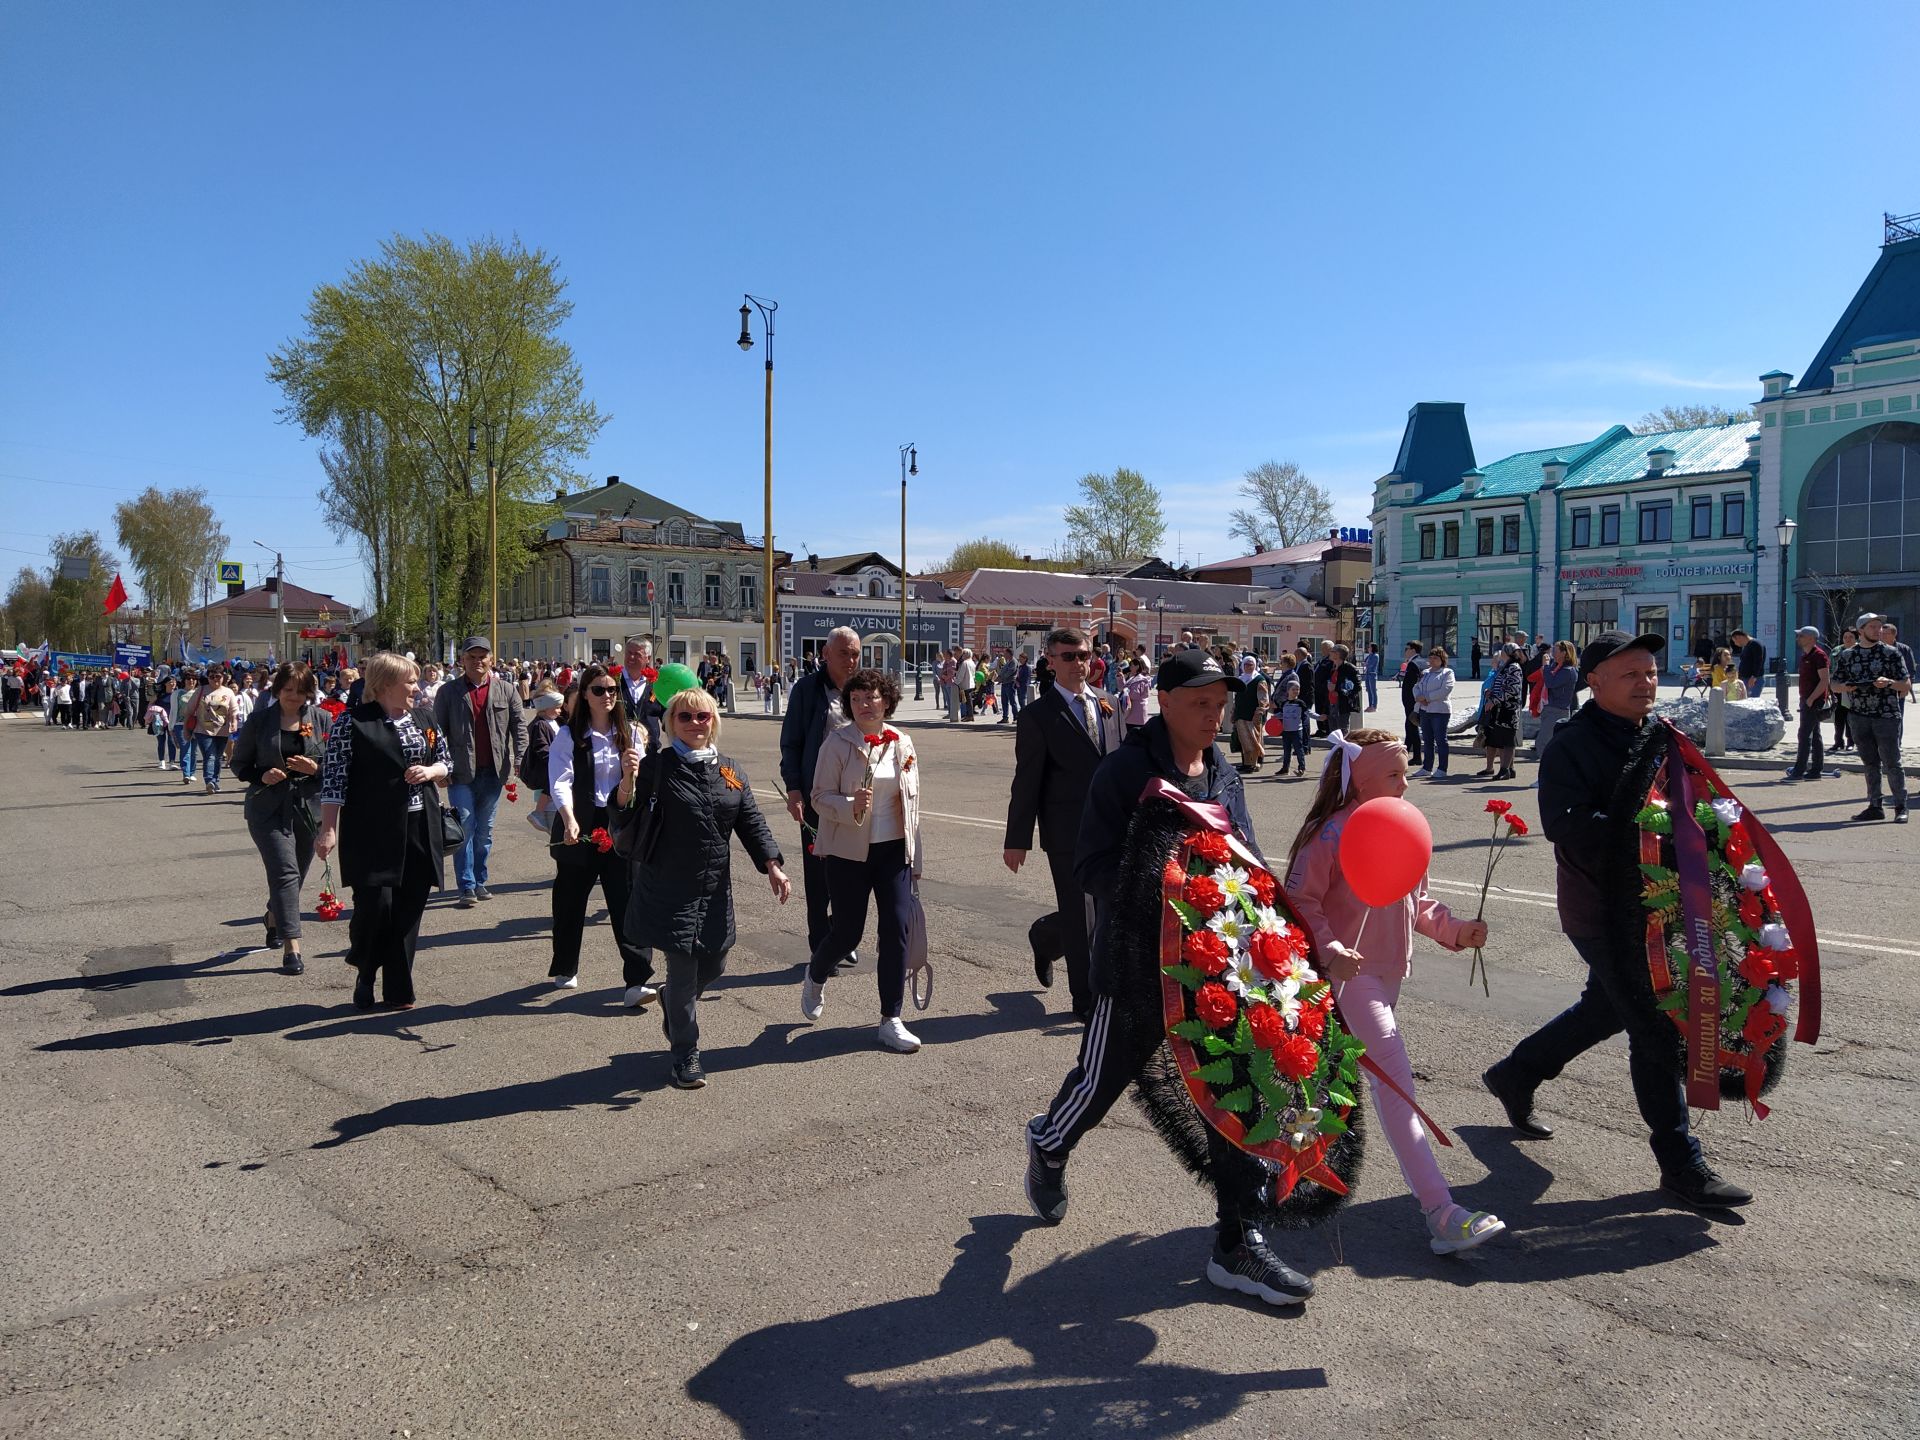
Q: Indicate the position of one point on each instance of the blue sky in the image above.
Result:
(1035, 239)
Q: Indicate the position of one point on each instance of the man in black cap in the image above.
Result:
(1874, 677)
(1177, 746)
(1579, 775)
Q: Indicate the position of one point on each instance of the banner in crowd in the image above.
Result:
(75, 660)
(129, 657)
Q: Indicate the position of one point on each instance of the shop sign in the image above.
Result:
(1599, 572)
(1706, 570)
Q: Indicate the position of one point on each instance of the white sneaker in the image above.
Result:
(813, 997)
(566, 982)
(640, 996)
(895, 1036)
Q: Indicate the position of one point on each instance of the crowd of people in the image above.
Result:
(396, 766)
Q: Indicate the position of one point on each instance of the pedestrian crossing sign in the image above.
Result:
(230, 573)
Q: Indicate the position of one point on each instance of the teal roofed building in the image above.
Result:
(1840, 454)
(1653, 533)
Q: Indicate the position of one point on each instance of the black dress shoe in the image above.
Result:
(1517, 1103)
(1900, 816)
(273, 934)
(292, 965)
(1704, 1188)
(1042, 962)
(1872, 812)
(363, 995)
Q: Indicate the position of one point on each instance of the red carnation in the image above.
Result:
(1211, 846)
(1313, 1022)
(602, 841)
(1786, 963)
(1515, 823)
(1271, 954)
(1215, 1004)
(1265, 887)
(1759, 1027)
(1751, 912)
(1757, 967)
(1498, 807)
(1738, 849)
(1205, 951)
(1268, 1027)
(1296, 1057)
(1203, 894)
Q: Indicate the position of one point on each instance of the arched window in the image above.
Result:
(1860, 513)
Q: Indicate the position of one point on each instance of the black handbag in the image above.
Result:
(639, 833)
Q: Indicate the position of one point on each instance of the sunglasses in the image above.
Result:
(693, 717)
(603, 690)
(1078, 657)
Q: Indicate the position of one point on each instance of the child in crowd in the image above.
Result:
(1293, 730)
(1365, 952)
(533, 769)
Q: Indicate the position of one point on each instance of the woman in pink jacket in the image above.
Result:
(867, 794)
(1367, 967)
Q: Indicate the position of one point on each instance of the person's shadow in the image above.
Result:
(1091, 1369)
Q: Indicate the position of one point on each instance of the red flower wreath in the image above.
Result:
(1205, 951)
(1268, 1027)
(1296, 1057)
(1313, 1022)
(1215, 1004)
(1211, 846)
(1203, 893)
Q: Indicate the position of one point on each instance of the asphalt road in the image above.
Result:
(235, 1207)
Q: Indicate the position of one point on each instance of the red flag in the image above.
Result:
(117, 596)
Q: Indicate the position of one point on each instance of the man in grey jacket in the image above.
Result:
(486, 731)
(813, 709)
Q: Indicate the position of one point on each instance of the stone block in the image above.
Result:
(1752, 725)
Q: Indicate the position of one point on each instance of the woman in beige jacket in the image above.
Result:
(866, 789)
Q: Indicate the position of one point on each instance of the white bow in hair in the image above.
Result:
(1338, 744)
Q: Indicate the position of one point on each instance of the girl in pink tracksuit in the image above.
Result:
(1368, 965)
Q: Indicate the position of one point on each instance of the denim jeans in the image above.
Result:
(187, 750)
(1810, 757)
(212, 748)
(1877, 737)
(1293, 745)
(1373, 692)
(1659, 1088)
(476, 801)
(1433, 741)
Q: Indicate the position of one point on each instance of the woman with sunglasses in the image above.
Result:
(689, 801)
(591, 765)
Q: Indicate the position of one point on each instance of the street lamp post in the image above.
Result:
(766, 309)
(1573, 623)
(1783, 532)
(909, 465)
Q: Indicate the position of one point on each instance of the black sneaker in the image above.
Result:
(292, 965)
(1703, 1188)
(1046, 1181)
(1252, 1269)
(480, 892)
(1900, 815)
(1517, 1104)
(467, 900)
(687, 1074)
(1794, 775)
(1872, 812)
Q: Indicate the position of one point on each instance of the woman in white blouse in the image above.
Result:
(866, 788)
(590, 769)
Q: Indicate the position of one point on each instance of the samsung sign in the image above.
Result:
(1352, 535)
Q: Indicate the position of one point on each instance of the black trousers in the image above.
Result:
(573, 883)
(1112, 1052)
(813, 879)
(1414, 746)
(1071, 929)
(386, 918)
(884, 875)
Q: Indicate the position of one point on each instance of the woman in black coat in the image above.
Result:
(379, 805)
(689, 802)
(277, 753)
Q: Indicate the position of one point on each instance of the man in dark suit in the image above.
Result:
(813, 709)
(1058, 743)
(636, 691)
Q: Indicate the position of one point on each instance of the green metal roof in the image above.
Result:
(1609, 459)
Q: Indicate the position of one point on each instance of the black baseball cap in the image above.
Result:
(1609, 643)
(1193, 667)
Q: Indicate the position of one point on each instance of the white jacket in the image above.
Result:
(1432, 692)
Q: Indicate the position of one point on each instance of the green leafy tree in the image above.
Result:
(1286, 508)
(375, 498)
(1688, 417)
(990, 554)
(173, 541)
(76, 609)
(437, 341)
(1118, 518)
(28, 609)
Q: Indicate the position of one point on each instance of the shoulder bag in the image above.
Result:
(919, 967)
(639, 836)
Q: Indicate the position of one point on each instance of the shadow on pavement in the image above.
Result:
(612, 1085)
(1089, 1371)
(1557, 1240)
(146, 974)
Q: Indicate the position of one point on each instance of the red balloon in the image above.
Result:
(1385, 847)
(1273, 725)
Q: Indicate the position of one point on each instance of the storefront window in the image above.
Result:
(1590, 617)
(1711, 619)
(1861, 510)
(1440, 625)
(1496, 623)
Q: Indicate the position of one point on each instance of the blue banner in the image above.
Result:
(76, 660)
(130, 657)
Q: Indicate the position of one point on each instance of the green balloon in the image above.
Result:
(671, 680)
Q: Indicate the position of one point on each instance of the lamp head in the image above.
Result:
(746, 335)
(913, 460)
(1784, 531)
